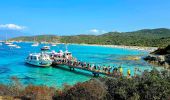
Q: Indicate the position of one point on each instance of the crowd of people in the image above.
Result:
(109, 70)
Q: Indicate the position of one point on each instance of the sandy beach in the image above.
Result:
(149, 49)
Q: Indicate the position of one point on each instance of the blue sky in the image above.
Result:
(69, 17)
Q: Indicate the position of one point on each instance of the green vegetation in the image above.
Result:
(146, 37)
(152, 85)
(39, 38)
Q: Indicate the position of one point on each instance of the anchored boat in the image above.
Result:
(35, 44)
(39, 59)
(8, 43)
(45, 48)
(53, 44)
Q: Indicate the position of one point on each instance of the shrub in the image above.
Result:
(91, 90)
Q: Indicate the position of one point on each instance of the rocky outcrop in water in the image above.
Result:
(160, 57)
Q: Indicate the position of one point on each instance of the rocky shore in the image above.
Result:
(160, 57)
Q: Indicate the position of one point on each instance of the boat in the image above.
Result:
(35, 44)
(8, 43)
(58, 54)
(39, 59)
(12, 45)
(68, 55)
(18, 47)
(45, 48)
(53, 44)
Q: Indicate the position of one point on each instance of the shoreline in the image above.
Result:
(149, 49)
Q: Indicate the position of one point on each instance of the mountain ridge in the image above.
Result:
(159, 37)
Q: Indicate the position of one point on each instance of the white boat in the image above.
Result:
(68, 55)
(8, 43)
(45, 48)
(56, 54)
(35, 44)
(18, 47)
(53, 44)
(39, 59)
(12, 45)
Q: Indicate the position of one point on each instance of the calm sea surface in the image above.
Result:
(12, 64)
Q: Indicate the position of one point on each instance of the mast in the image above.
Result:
(5, 37)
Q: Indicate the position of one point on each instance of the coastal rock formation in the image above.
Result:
(160, 57)
(131, 58)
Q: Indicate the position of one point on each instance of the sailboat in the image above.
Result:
(53, 43)
(46, 47)
(35, 44)
(10, 44)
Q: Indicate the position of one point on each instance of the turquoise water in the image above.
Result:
(12, 64)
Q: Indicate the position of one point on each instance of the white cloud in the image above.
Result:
(12, 27)
(97, 31)
(94, 31)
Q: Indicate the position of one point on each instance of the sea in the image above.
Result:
(12, 64)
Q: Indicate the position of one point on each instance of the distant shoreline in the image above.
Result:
(149, 49)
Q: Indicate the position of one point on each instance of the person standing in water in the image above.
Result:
(128, 73)
(120, 71)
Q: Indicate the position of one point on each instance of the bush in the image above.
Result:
(91, 90)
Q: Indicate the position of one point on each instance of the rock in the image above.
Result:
(131, 58)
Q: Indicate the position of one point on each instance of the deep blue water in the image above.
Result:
(12, 64)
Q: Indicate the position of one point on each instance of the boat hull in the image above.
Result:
(39, 63)
(44, 49)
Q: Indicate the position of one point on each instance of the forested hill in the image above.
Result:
(147, 37)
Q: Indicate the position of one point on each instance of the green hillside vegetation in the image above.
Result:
(38, 38)
(147, 37)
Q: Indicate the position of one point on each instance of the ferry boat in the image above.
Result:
(45, 48)
(68, 55)
(58, 54)
(39, 59)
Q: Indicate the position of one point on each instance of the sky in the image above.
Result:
(70, 17)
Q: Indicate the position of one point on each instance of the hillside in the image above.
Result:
(147, 37)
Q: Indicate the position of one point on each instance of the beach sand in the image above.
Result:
(149, 49)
